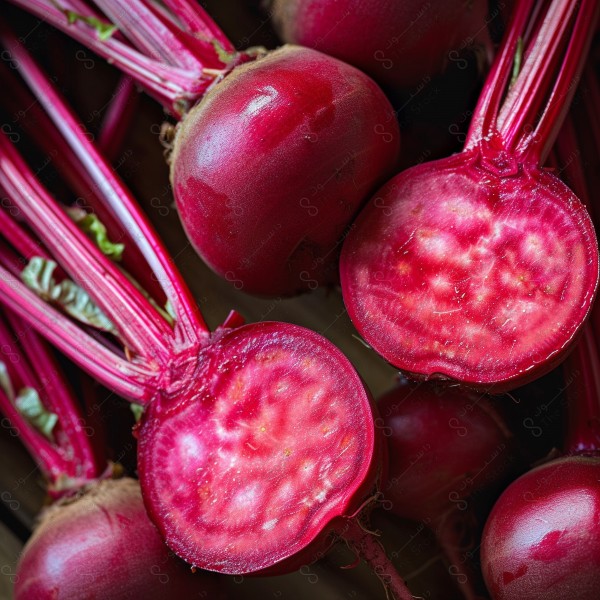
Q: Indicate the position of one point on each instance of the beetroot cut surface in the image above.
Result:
(275, 443)
(482, 267)
(451, 274)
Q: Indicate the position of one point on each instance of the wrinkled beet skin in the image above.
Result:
(245, 433)
(444, 445)
(397, 43)
(542, 539)
(443, 275)
(102, 546)
(273, 164)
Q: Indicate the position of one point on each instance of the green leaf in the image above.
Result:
(38, 276)
(222, 54)
(28, 403)
(5, 382)
(93, 227)
(103, 29)
(517, 62)
(137, 410)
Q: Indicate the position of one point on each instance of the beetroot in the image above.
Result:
(282, 227)
(445, 447)
(103, 540)
(238, 424)
(542, 539)
(397, 43)
(271, 166)
(482, 267)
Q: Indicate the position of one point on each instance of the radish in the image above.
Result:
(542, 538)
(96, 534)
(271, 159)
(481, 267)
(257, 443)
(397, 43)
(446, 446)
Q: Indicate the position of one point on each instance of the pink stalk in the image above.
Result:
(38, 125)
(197, 21)
(69, 459)
(118, 116)
(114, 194)
(174, 85)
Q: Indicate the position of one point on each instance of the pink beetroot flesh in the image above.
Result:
(276, 442)
(542, 539)
(455, 271)
(397, 43)
(103, 546)
(271, 166)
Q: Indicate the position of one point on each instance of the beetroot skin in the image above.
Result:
(275, 161)
(106, 538)
(398, 43)
(542, 539)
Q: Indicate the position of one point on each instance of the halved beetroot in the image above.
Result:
(482, 267)
(451, 274)
(255, 466)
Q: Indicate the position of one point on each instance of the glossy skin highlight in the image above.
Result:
(273, 164)
(454, 271)
(542, 539)
(276, 443)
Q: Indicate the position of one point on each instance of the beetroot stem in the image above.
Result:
(566, 82)
(70, 453)
(58, 397)
(583, 379)
(173, 87)
(109, 188)
(49, 459)
(196, 20)
(117, 118)
(483, 122)
(19, 239)
(136, 320)
(517, 119)
(131, 380)
(372, 552)
(151, 32)
(542, 57)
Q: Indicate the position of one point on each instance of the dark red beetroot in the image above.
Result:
(272, 220)
(270, 411)
(445, 446)
(103, 541)
(482, 267)
(397, 43)
(542, 539)
(273, 164)
(96, 535)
